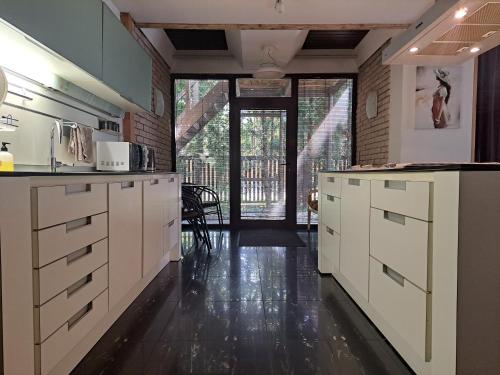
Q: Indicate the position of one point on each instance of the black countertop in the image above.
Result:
(40, 173)
(426, 167)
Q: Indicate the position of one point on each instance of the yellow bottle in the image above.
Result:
(6, 159)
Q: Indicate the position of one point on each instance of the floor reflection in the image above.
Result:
(243, 310)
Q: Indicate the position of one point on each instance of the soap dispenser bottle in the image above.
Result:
(6, 159)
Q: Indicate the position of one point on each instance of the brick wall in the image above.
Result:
(146, 128)
(372, 135)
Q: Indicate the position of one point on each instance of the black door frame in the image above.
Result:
(233, 114)
(290, 105)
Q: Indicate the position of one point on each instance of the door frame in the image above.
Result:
(290, 105)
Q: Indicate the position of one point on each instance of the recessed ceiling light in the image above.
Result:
(474, 49)
(414, 49)
(461, 13)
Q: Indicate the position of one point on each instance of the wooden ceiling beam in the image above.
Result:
(269, 26)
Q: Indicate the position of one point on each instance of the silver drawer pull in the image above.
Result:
(78, 188)
(171, 223)
(80, 315)
(330, 179)
(397, 277)
(79, 285)
(329, 230)
(395, 184)
(394, 217)
(331, 198)
(154, 182)
(78, 223)
(74, 256)
(128, 184)
(354, 181)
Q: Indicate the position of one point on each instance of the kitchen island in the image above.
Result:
(418, 251)
(76, 250)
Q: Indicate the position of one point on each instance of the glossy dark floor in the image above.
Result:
(243, 310)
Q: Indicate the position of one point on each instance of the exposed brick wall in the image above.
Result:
(145, 128)
(372, 135)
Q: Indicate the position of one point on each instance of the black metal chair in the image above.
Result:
(209, 200)
(194, 214)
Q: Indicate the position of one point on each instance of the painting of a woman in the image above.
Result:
(440, 114)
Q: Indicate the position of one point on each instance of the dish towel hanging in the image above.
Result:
(80, 143)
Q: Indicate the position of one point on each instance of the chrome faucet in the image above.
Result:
(53, 161)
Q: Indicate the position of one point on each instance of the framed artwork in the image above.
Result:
(438, 97)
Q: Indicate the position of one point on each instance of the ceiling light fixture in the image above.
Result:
(413, 49)
(475, 49)
(461, 13)
(279, 6)
(269, 69)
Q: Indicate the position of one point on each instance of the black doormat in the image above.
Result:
(270, 237)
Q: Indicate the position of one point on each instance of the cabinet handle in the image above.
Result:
(172, 180)
(75, 287)
(329, 230)
(330, 179)
(78, 254)
(77, 188)
(171, 223)
(395, 185)
(128, 184)
(395, 276)
(354, 181)
(154, 182)
(80, 315)
(331, 198)
(394, 217)
(78, 223)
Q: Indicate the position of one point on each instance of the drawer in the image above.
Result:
(56, 242)
(53, 350)
(172, 233)
(331, 184)
(403, 197)
(330, 249)
(171, 191)
(330, 211)
(59, 204)
(402, 243)
(58, 276)
(402, 305)
(56, 312)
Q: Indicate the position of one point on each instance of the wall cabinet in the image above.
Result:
(72, 28)
(126, 67)
(125, 238)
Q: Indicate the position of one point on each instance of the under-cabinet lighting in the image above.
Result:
(413, 49)
(461, 13)
(475, 49)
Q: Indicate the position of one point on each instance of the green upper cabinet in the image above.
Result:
(72, 28)
(126, 66)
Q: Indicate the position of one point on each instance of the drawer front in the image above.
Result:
(53, 314)
(60, 204)
(402, 305)
(171, 187)
(331, 184)
(53, 350)
(403, 197)
(330, 249)
(58, 276)
(402, 243)
(57, 242)
(330, 211)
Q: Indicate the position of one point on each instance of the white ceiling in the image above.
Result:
(262, 11)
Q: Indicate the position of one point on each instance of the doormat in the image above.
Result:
(270, 237)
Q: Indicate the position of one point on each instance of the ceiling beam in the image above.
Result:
(271, 26)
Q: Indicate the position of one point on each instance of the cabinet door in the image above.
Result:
(72, 28)
(127, 68)
(125, 238)
(355, 239)
(153, 224)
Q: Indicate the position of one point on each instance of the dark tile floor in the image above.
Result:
(243, 310)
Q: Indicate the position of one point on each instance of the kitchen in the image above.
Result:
(384, 124)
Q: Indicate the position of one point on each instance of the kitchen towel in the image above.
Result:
(80, 143)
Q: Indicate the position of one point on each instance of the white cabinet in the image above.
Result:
(125, 238)
(355, 224)
(153, 223)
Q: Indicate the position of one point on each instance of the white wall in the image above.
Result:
(407, 144)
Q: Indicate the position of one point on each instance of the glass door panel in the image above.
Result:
(263, 164)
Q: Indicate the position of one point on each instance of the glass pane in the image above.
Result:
(263, 169)
(202, 135)
(263, 88)
(324, 134)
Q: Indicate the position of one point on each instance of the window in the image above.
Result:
(324, 133)
(202, 134)
(263, 88)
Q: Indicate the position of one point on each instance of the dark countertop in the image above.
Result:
(27, 173)
(426, 167)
